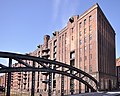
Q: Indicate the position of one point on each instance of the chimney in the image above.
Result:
(46, 39)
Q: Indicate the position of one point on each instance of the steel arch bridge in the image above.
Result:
(46, 66)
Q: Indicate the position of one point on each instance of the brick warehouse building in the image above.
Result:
(118, 71)
(87, 42)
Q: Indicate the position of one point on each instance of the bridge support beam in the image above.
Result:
(62, 85)
(86, 89)
(71, 84)
(79, 84)
(79, 87)
(50, 82)
(9, 78)
(33, 81)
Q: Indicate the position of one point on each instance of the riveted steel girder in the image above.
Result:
(43, 62)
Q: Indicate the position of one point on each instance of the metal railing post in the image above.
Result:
(9, 78)
(33, 81)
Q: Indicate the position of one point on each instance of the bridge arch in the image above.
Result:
(46, 67)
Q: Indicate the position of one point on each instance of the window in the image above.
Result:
(80, 24)
(72, 62)
(80, 59)
(65, 41)
(85, 68)
(90, 56)
(90, 68)
(90, 36)
(65, 34)
(85, 57)
(85, 47)
(90, 27)
(65, 37)
(80, 33)
(84, 22)
(80, 50)
(72, 30)
(72, 55)
(90, 18)
(85, 39)
(85, 31)
(90, 47)
(72, 37)
(80, 42)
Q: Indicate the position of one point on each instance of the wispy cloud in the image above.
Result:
(70, 10)
(56, 8)
(63, 9)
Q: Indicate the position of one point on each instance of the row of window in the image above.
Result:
(85, 39)
(72, 55)
(85, 58)
(85, 20)
(85, 68)
(85, 48)
(85, 30)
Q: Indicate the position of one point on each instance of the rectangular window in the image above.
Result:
(90, 56)
(84, 22)
(80, 42)
(80, 50)
(90, 37)
(90, 47)
(72, 30)
(85, 57)
(80, 59)
(85, 48)
(90, 18)
(72, 37)
(85, 68)
(90, 28)
(72, 55)
(65, 41)
(85, 39)
(65, 38)
(85, 31)
(72, 62)
(90, 68)
(80, 33)
(80, 24)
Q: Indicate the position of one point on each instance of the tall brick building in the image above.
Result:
(87, 42)
(118, 71)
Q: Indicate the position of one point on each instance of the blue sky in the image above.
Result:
(23, 23)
